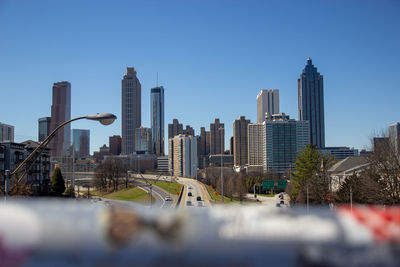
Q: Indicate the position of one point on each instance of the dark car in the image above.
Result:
(198, 198)
(282, 202)
(190, 194)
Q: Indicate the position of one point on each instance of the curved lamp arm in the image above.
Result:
(105, 119)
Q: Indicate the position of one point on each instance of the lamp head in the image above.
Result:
(103, 118)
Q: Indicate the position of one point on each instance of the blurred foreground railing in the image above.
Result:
(49, 232)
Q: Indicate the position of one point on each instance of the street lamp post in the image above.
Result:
(103, 118)
(222, 168)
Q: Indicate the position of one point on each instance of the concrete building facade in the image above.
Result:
(6, 132)
(256, 144)
(131, 110)
(61, 112)
(182, 156)
(240, 141)
(217, 138)
(115, 144)
(394, 136)
(267, 101)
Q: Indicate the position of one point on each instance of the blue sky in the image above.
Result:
(212, 57)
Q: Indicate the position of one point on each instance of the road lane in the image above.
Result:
(197, 189)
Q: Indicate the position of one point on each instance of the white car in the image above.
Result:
(167, 198)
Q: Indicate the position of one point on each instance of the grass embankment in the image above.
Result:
(173, 188)
(215, 196)
(131, 194)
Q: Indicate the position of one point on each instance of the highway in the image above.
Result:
(196, 189)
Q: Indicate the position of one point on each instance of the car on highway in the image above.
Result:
(167, 198)
(190, 187)
(198, 198)
(277, 205)
(188, 203)
(190, 194)
(282, 202)
(200, 204)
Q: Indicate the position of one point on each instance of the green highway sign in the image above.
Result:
(268, 185)
(282, 184)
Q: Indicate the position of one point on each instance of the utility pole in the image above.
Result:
(151, 195)
(222, 169)
(351, 199)
(308, 204)
(6, 185)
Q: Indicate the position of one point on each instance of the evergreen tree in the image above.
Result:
(311, 173)
(57, 182)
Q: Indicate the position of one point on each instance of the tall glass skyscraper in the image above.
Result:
(311, 102)
(157, 119)
(44, 128)
(81, 142)
(131, 110)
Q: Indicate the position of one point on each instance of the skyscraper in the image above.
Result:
(256, 144)
(311, 102)
(6, 132)
(217, 138)
(240, 141)
(157, 120)
(267, 101)
(175, 128)
(61, 112)
(131, 110)
(81, 142)
(44, 128)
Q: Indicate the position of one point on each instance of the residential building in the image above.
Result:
(99, 155)
(188, 130)
(217, 138)
(60, 112)
(44, 128)
(256, 144)
(81, 143)
(182, 156)
(394, 136)
(175, 128)
(6, 132)
(143, 140)
(267, 102)
(157, 120)
(340, 153)
(231, 145)
(115, 144)
(311, 102)
(204, 152)
(240, 141)
(345, 168)
(284, 138)
(131, 110)
(38, 176)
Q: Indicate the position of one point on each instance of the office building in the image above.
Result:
(162, 164)
(189, 130)
(131, 110)
(240, 141)
(6, 132)
(217, 138)
(311, 102)
(394, 136)
(204, 148)
(175, 128)
(231, 145)
(182, 156)
(44, 128)
(143, 140)
(284, 138)
(157, 120)
(115, 144)
(81, 143)
(340, 152)
(256, 144)
(60, 112)
(267, 102)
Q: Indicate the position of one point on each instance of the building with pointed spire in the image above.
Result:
(311, 102)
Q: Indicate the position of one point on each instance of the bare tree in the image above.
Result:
(109, 173)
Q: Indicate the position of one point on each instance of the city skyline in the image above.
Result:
(350, 68)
